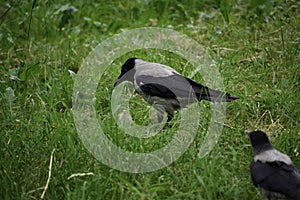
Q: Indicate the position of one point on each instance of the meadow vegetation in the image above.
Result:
(255, 45)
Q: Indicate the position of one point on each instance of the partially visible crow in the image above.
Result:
(165, 88)
(272, 170)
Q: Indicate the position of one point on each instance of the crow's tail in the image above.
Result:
(215, 95)
(208, 94)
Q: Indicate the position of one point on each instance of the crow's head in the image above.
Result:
(126, 67)
(259, 140)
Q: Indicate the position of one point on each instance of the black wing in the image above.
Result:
(276, 177)
(166, 87)
(180, 86)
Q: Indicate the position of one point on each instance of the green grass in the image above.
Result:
(255, 45)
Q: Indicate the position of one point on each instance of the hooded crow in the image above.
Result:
(272, 170)
(164, 88)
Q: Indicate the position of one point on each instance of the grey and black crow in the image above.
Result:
(272, 170)
(164, 88)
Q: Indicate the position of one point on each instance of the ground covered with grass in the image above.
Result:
(255, 45)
